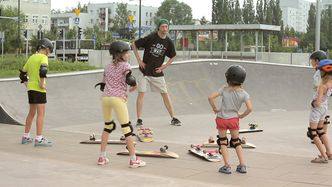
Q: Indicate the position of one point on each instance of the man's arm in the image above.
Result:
(164, 66)
(138, 57)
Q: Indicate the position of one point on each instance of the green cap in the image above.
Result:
(163, 21)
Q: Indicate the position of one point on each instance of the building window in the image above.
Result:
(91, 11)
(150, 14)
(26, 19)
(35, 19)
(44, 20)
(146, 22)
(134, 13)
(146, 14)
(150, 22)
(91, 21)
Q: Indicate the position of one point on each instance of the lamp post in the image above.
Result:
(317, 35)
(18, 27)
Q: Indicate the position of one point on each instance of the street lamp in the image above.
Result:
(317, 35)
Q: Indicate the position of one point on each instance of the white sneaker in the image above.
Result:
(103, 161)
(137, 163)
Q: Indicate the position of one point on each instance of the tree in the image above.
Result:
(260, 11)
(121, 21)
(203, 21)
(9, 27)
(177, 13)
(248, 12)
(277, 14)
(237, 13)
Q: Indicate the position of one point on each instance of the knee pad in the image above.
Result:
(235, 142)
(320, 132)
(220, 139)
(312, 133)
(127, 129)
(109, 126)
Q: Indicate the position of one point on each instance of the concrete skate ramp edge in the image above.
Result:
(73, 100)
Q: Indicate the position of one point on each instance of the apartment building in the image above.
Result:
(37, 14)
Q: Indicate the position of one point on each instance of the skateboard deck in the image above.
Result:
(144, 134)
(213, 144)
(209, 155)
(162, 153)
(252, 128)
(93, 140)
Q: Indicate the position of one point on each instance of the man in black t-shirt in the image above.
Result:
(156, 46)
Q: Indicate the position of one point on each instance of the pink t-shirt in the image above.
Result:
(115, 79)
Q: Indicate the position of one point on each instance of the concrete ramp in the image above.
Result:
(73, 100)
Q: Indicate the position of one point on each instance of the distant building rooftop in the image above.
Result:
(227, 27)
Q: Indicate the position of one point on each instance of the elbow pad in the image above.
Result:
(43, 71)
(102, 86)
(130, 79)
(23, 76)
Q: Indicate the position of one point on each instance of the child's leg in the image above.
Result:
(40, 118)
(223, 143)
(321, 131)
(30, 116)
(109, 124)
(236, 143)
(314, 136)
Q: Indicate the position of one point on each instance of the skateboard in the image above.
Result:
(144, 134)
(162, 153)
(252, 128)
(93, 140)
(209, 155)
(213, 144)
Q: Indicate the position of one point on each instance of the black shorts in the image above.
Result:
(36, 97)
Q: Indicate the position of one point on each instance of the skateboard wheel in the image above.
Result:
(92, 137)
(166, 147)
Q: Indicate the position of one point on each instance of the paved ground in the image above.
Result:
(282, 157)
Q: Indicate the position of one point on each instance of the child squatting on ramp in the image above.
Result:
(36, 69)
(319, 106)
(114, 97)
(233, 96)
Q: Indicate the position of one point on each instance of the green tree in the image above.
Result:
(277, 14)
(237, 13)
(9, 27)
(203, 21)
(248, 12)
(177, 13)
(260, 11)
(121, 18)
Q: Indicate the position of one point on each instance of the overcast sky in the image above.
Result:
(199, 8)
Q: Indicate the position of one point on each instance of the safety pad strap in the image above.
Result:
(109, 126)
(312, 133)
(220, 139)
(23, 76)
(235, 142)
(127, 129)
(43, 71)
(320, 132)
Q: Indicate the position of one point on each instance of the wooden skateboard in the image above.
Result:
(209, 155)
(162, 153)
(144, 134)
(252, 128)
(93, 140)
(213, 144)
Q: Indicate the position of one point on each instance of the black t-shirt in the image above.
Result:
(155, 50)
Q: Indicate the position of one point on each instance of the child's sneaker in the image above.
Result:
(319, 160)
(139, 123)
(226, 170)
(137, 163)
(43, 143)
(241, 169)
(175, 122)
(103, 161)
(26, 140)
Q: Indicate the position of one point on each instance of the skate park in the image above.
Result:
(280, 95)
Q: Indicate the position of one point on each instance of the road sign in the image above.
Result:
(77, 20)
(77, 11)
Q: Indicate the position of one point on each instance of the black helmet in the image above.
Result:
(318, 55)
(235, 74)
(118, 47)
(45, 43)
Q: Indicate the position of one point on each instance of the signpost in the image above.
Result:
(77, 22)
(2, 39)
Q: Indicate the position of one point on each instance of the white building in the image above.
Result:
(37, 14)
(295, 14)
(103, 13)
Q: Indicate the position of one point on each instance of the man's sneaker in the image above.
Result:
(175, 122)
(26, 140)
(43, 143)
(139, 123)
(225, 169)
(241, 169)
(103, 161)
(137, 163)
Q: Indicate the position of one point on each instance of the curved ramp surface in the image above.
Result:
(72, 99)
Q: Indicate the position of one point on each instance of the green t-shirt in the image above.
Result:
(32, 67)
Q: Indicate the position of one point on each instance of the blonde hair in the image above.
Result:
(325, 77)
(118, 57)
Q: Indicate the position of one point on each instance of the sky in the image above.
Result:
(199, 8)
